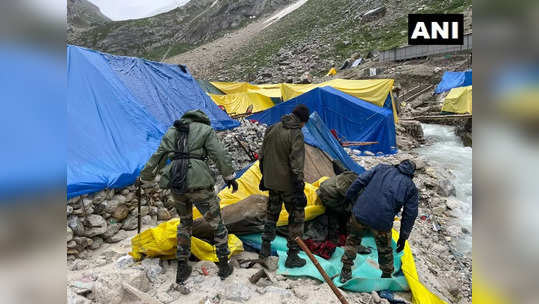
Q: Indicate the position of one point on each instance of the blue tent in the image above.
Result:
(317, 134)
(452, 80)
(352, 118)
(118, 109)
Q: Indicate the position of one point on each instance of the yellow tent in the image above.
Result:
(459, 100)
(239, 102)
(269, 90)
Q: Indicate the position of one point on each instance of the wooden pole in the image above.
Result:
(334, 288)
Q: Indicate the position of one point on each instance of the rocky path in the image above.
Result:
(211, 56)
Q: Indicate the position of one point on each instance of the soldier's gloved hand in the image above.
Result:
(147, 184)
(231, 182)
(400, 244)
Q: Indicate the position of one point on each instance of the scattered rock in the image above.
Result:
(108, 289)
(163, 214)
(125, 261)
(153, 269)
(112, 229)
(96, 243)
(121, 212)
(76, 225)
(69, 236)
(130, 223)
(118, 237)
(96, 224)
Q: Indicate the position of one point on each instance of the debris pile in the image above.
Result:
(106, 216)
(244, 142)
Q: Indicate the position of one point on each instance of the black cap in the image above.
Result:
(302, 112)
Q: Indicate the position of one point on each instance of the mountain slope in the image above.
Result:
(176, 31)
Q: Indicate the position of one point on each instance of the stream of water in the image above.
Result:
(445, 149)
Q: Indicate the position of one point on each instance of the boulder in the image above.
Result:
(163, 214)
(96, 225)
(112, 229)
(69, 234)
(445, 188)
(130, 223)
(121, 212)
(75, 223)
(97, 242)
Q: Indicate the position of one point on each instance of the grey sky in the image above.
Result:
(134, 9)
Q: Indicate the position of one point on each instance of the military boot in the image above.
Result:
(346, 273)
(265, 250)
(386, 275)
(183, 272)
(225, 269)
(293, 260)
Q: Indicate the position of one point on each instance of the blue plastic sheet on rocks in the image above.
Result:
(118, 109)
(353, 119)
(452, 80)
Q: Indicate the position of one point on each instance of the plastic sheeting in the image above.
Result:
(452, 80)
(269, 90)
(365, 275)
(459, 100)
(118, 108)
(352, 118)
(161, 241)
(317, 134)
(375, 91)
(248, 185)
(239, 102)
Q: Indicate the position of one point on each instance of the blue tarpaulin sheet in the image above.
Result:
(118, 109)
(353, 119)
(317, 134)
(452, 80)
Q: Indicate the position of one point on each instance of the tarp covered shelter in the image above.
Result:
(239, 102)
(118, 108)
(452, 80)
(459, 100)
(354, 119)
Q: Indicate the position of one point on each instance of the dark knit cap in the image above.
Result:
(301, 112)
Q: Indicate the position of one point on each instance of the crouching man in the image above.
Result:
(386, 190)
(188, 143)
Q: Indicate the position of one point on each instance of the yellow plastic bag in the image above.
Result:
(332, 72)
(161, 242)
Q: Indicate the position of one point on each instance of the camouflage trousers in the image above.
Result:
(337, 216)
(296, 218)
(207, 203)
(383, 243)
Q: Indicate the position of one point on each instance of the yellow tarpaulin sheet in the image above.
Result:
(161, 240)
(420, 293)
(268, 90)
(239, 102)
(331, 72)
(459, 100)
(248, 185)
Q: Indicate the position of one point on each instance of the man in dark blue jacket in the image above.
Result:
(386, 190)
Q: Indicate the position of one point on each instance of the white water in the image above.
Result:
(444, 149)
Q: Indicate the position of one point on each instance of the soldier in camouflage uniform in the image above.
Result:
(199, 189)
(282, 158)
(386, 190)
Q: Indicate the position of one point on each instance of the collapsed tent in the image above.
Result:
(459, 100)
(354, 119)
(452, 80)
(118, 108)
(240, 102)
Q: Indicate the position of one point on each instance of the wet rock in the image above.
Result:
(121, 212)
(96, 225)
(75, 223)
(130, 223)
(118, 237)
(112, 229)
(163, 214)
